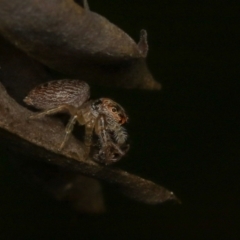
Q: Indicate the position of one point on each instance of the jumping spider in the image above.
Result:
(104, 116)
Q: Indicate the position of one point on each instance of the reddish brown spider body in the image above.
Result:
(104, 116)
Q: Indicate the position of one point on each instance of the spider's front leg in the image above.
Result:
(109, 151)
(68, 130)
(89, 126)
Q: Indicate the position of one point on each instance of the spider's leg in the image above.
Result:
(88, 137)
(100, 130)
(118, 149)
(68, 130)
(108, 149)
(105, 137)
(61, 108)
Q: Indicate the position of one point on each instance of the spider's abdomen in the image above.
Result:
(54, 93)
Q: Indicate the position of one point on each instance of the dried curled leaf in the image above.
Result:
(47, 135)
(74, 40)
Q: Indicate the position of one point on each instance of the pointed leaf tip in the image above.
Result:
(142, 44)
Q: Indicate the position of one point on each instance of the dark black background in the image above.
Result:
(184, 137)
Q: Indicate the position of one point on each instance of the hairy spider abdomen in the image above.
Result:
(55, 93)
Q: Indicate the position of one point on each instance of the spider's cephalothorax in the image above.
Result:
(110, 108)
(103, 116)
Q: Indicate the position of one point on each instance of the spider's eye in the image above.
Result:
(97, 102)
(114, 109)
